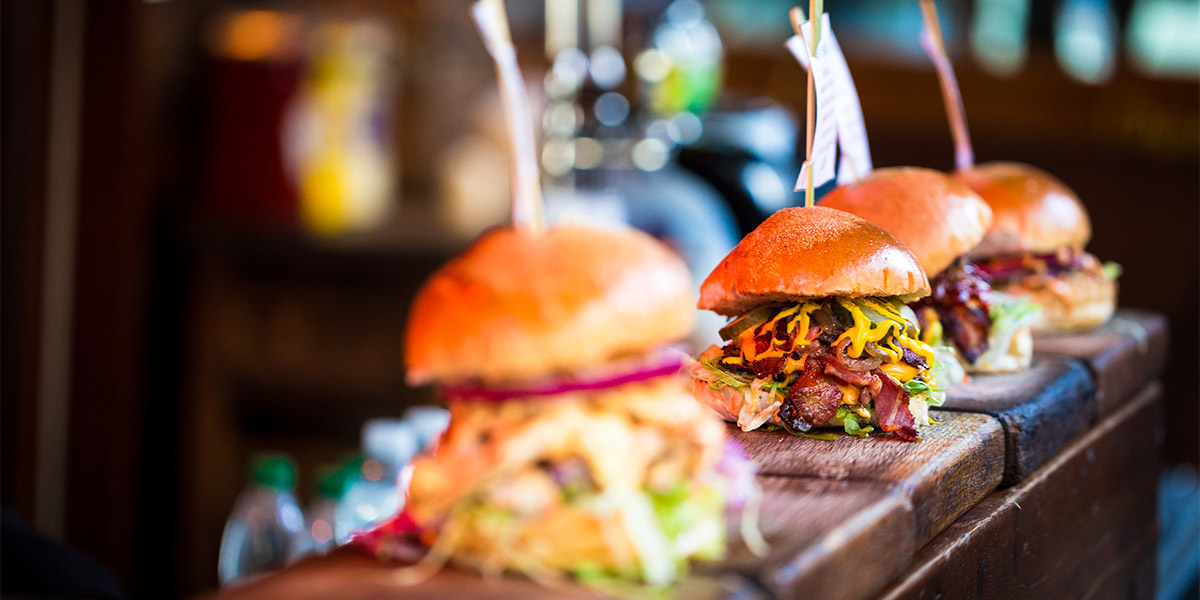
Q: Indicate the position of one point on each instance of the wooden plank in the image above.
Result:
(1124, 354)
(828, 539)
(838, 539)
(349, 575)
(954, 466)
(1042, 409)
(1063, 531)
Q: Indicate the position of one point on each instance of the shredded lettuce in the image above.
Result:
(1010, 313)
(850, 422)
(722, 377)
(1111, 270)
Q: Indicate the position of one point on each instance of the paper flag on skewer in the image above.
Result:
(833, 72)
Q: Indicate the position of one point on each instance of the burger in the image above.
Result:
(820, 332)
(1035, 247)
(941, 220)
(574, 447)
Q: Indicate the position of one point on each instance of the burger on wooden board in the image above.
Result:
(941, 220)
(821, 334)
(574, 447)
(1035, 246)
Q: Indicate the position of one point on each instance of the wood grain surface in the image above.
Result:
(1080, 527)
(828, 539)
(1124, 354)
(349, 575)
(1041, 409)
(954, 466)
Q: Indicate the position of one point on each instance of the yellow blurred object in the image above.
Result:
(340, 136)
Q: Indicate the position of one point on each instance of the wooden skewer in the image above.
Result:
(527, 209)
(797, 17)
(935, 47)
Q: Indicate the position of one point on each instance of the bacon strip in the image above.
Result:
(961, 296)
(891, 408)
(813, 400)
(815, 397)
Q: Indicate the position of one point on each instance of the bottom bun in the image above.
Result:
(1070, 302)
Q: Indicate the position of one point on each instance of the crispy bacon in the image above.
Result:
(815, 397)
(812, 400)
(913, 359)
(961, 297)
(891, 408)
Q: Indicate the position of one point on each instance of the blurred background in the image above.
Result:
(215, 212)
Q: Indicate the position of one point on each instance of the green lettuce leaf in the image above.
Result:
(1111, 270)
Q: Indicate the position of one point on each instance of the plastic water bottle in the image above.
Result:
(378, 490)
(428, 422)
(322, 516)
(266, 527)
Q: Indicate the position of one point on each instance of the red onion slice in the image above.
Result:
(656, 364)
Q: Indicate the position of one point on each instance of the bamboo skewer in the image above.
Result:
(935, 47)
(527, 209)
(815, 8)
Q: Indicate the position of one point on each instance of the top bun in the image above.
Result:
(801, 253)
(936, 216)
(519, 305)
(1032, 211)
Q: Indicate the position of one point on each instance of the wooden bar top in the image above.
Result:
(1041, 409)
(952, 467)
(1083, 521)
(1124, 354)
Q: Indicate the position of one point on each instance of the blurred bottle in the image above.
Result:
(683, 65)
(377, 491)
(322, 515)
(339, 135)
(428, 422)
(266, 528)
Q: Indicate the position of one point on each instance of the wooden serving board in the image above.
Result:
(349, 575)
(954, 466)
(838, 539)
(828, 539)
(1082, 526)
(1124, 354)
(1041, 409)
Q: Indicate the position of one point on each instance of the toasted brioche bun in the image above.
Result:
(938, 217)
(1076, 301)
(801, 253)
(1032, 211)
(519, 305)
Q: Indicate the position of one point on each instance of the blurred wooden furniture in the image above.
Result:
(1070, 513)
(294, 344)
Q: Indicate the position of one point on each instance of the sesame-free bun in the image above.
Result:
(938, 217)
(817, 252)
(1032, 211)
(518, 305)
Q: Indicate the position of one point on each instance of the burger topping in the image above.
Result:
(808, 363)
(960, 304)
(1039, 270)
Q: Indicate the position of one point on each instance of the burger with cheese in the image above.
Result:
(573, 447)
(1034, 248)
(821, 334)
(941, 219)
